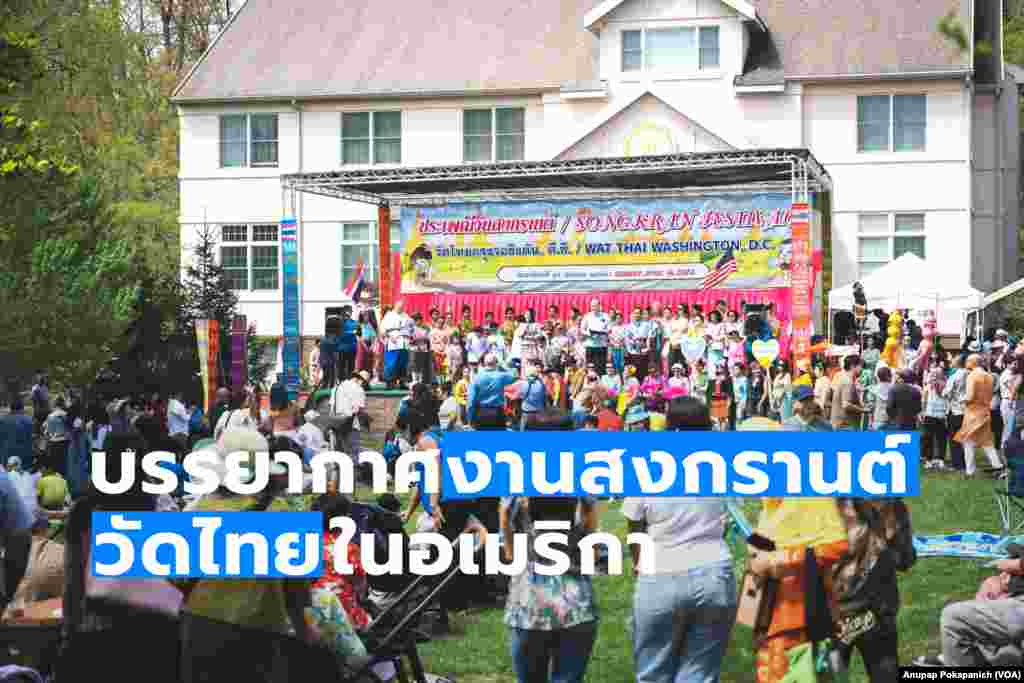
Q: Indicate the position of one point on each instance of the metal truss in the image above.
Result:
(792, 169)
(439, 199)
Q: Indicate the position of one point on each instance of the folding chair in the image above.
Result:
(1009, 492)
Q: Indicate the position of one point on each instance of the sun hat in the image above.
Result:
(446, 414)
(636, 413)
(233, 441)
(803, 393)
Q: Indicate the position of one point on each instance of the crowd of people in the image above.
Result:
(589, 373)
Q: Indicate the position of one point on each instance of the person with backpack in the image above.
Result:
(451, 518)
(881, 543)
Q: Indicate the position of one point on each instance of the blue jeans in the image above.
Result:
(681, 624)
(552, 656)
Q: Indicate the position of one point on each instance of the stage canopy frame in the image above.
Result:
(768, 170)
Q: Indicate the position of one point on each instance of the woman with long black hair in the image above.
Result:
(552, 620)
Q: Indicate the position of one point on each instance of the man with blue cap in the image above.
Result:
(807, 414)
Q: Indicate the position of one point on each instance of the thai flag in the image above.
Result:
(355, 287)
(800, 213)
(725, 267)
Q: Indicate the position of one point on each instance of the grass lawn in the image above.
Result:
(478, 651)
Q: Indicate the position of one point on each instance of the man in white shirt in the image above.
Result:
(348, 402)
(397, 329)
(595, 328)
(25, 483)
(310, 436)
(177, 420)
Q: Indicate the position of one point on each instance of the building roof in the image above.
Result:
(602, 10)
(309, 49)
(280, 49)
(819, 39)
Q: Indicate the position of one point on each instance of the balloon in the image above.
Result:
(892, 354)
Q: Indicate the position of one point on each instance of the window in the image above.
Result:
(687, 49)
(891, 123)
(632, 50)
(494, 134)
(883, 237)
(371, 135)
(250, 256)
(359, 243)
(248, 140)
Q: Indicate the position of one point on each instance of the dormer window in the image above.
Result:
(686, 49)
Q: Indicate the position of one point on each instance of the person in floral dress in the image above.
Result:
(552, 620)
(334, 611)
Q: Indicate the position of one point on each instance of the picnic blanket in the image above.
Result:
(967, 544)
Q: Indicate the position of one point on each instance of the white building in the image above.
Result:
(919, 139)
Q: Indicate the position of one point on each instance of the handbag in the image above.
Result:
(813, 663)
(816, 661)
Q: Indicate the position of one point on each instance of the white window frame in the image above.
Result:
(494, 133)
(371, 157)
(891, 147)
(645, 69)
(890, 235)
(248, 162)
(250, 244)
(371, 241)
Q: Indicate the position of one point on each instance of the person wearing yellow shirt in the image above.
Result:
(461, 394)
(658, 421)
(52, 490)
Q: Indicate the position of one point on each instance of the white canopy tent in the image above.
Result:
(910, 283)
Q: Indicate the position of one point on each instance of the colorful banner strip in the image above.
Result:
(292, 356)
(203, 346)
(801, 282)
(212, 362)
(239, 352)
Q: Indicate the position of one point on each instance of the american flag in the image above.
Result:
(725, 267)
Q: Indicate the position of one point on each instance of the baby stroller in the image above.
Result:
(395, 629)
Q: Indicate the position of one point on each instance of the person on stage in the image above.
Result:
(397, 328)
(595, 328)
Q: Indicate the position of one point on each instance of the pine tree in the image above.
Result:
(207, 294)
(207, 287)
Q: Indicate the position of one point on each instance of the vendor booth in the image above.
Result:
(909, 283)
(742, 226)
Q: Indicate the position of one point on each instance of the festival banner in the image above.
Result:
(203, 347)
(596, 245)
(239, 352)
(801, 273)
(292, 355)
(212, 361)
